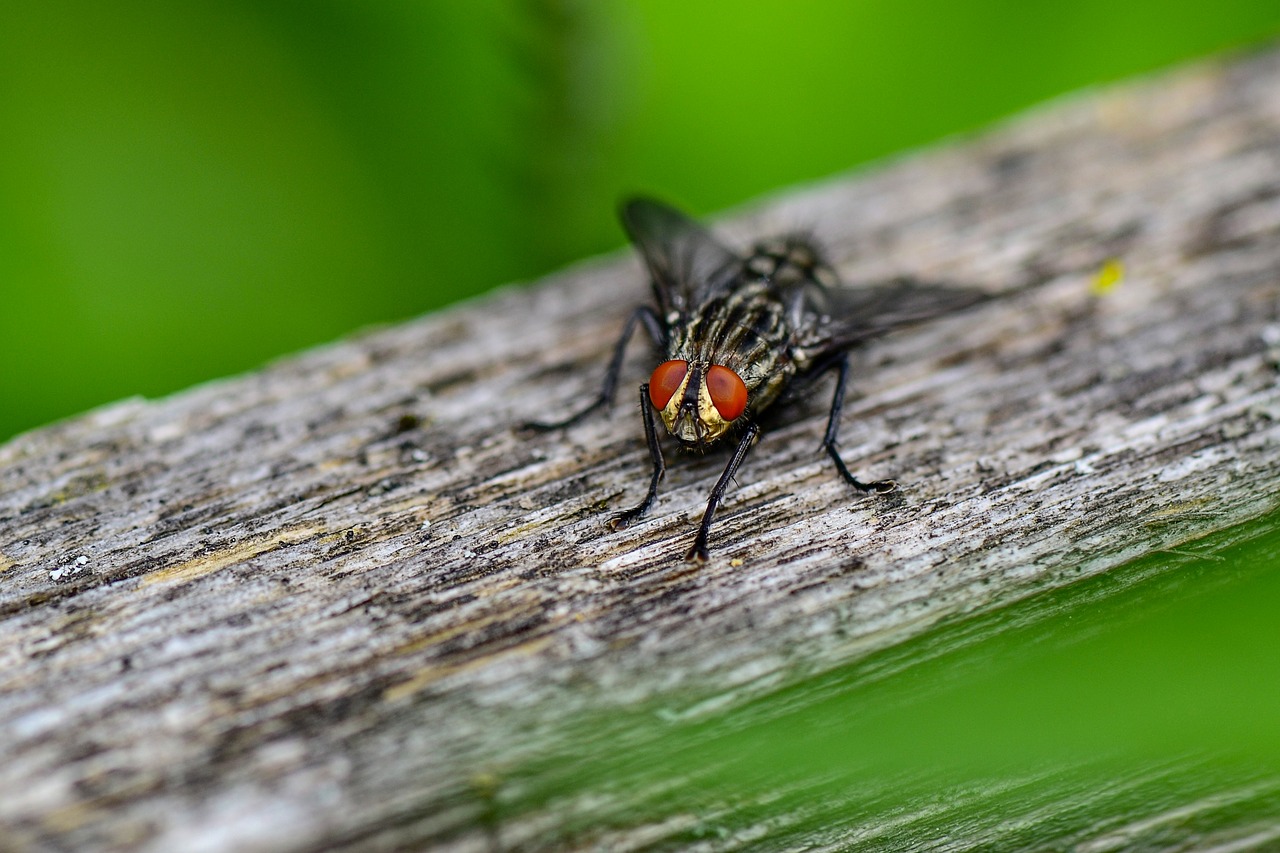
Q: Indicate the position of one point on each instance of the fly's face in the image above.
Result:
(697, 402)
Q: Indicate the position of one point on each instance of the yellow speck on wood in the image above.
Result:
(1111, 274)
(5, 563)
(238, 553)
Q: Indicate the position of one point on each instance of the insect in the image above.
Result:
(738, 332)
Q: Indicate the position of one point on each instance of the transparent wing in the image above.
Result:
(686, 263)
(851, 315)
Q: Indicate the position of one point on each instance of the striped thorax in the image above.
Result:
(732, 356)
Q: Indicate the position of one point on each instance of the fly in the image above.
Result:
(736, 332)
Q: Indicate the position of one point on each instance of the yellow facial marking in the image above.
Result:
(710, 427)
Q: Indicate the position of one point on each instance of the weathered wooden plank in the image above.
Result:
(317, 605)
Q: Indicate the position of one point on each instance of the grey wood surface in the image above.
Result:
(323, 605)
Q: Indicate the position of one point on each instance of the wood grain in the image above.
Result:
(329, 604)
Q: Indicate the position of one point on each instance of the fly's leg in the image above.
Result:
(833, 428)
(643, 314)
(699, 550)
(623, 519)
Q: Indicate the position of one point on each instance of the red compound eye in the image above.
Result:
(665, 382)
(728, 392)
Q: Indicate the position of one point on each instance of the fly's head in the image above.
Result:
(697, 402)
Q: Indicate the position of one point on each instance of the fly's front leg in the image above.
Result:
(623, 519)
(643, 314)
(699, 550)
(833, 428)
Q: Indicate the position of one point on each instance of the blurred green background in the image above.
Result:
(187, 190)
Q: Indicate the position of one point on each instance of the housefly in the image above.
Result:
(736, 332)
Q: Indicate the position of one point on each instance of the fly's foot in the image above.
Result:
(698, 553)
(879, 487)
(552, 426)
(537, 426)
(623, 520)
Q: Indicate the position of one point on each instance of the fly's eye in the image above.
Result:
(665, 381)
(728, 391)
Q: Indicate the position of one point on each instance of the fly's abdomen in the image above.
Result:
(787, 262)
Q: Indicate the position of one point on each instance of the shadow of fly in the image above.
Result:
(738, 332)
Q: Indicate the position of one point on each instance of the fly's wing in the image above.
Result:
(851, 315)
(686, 263)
